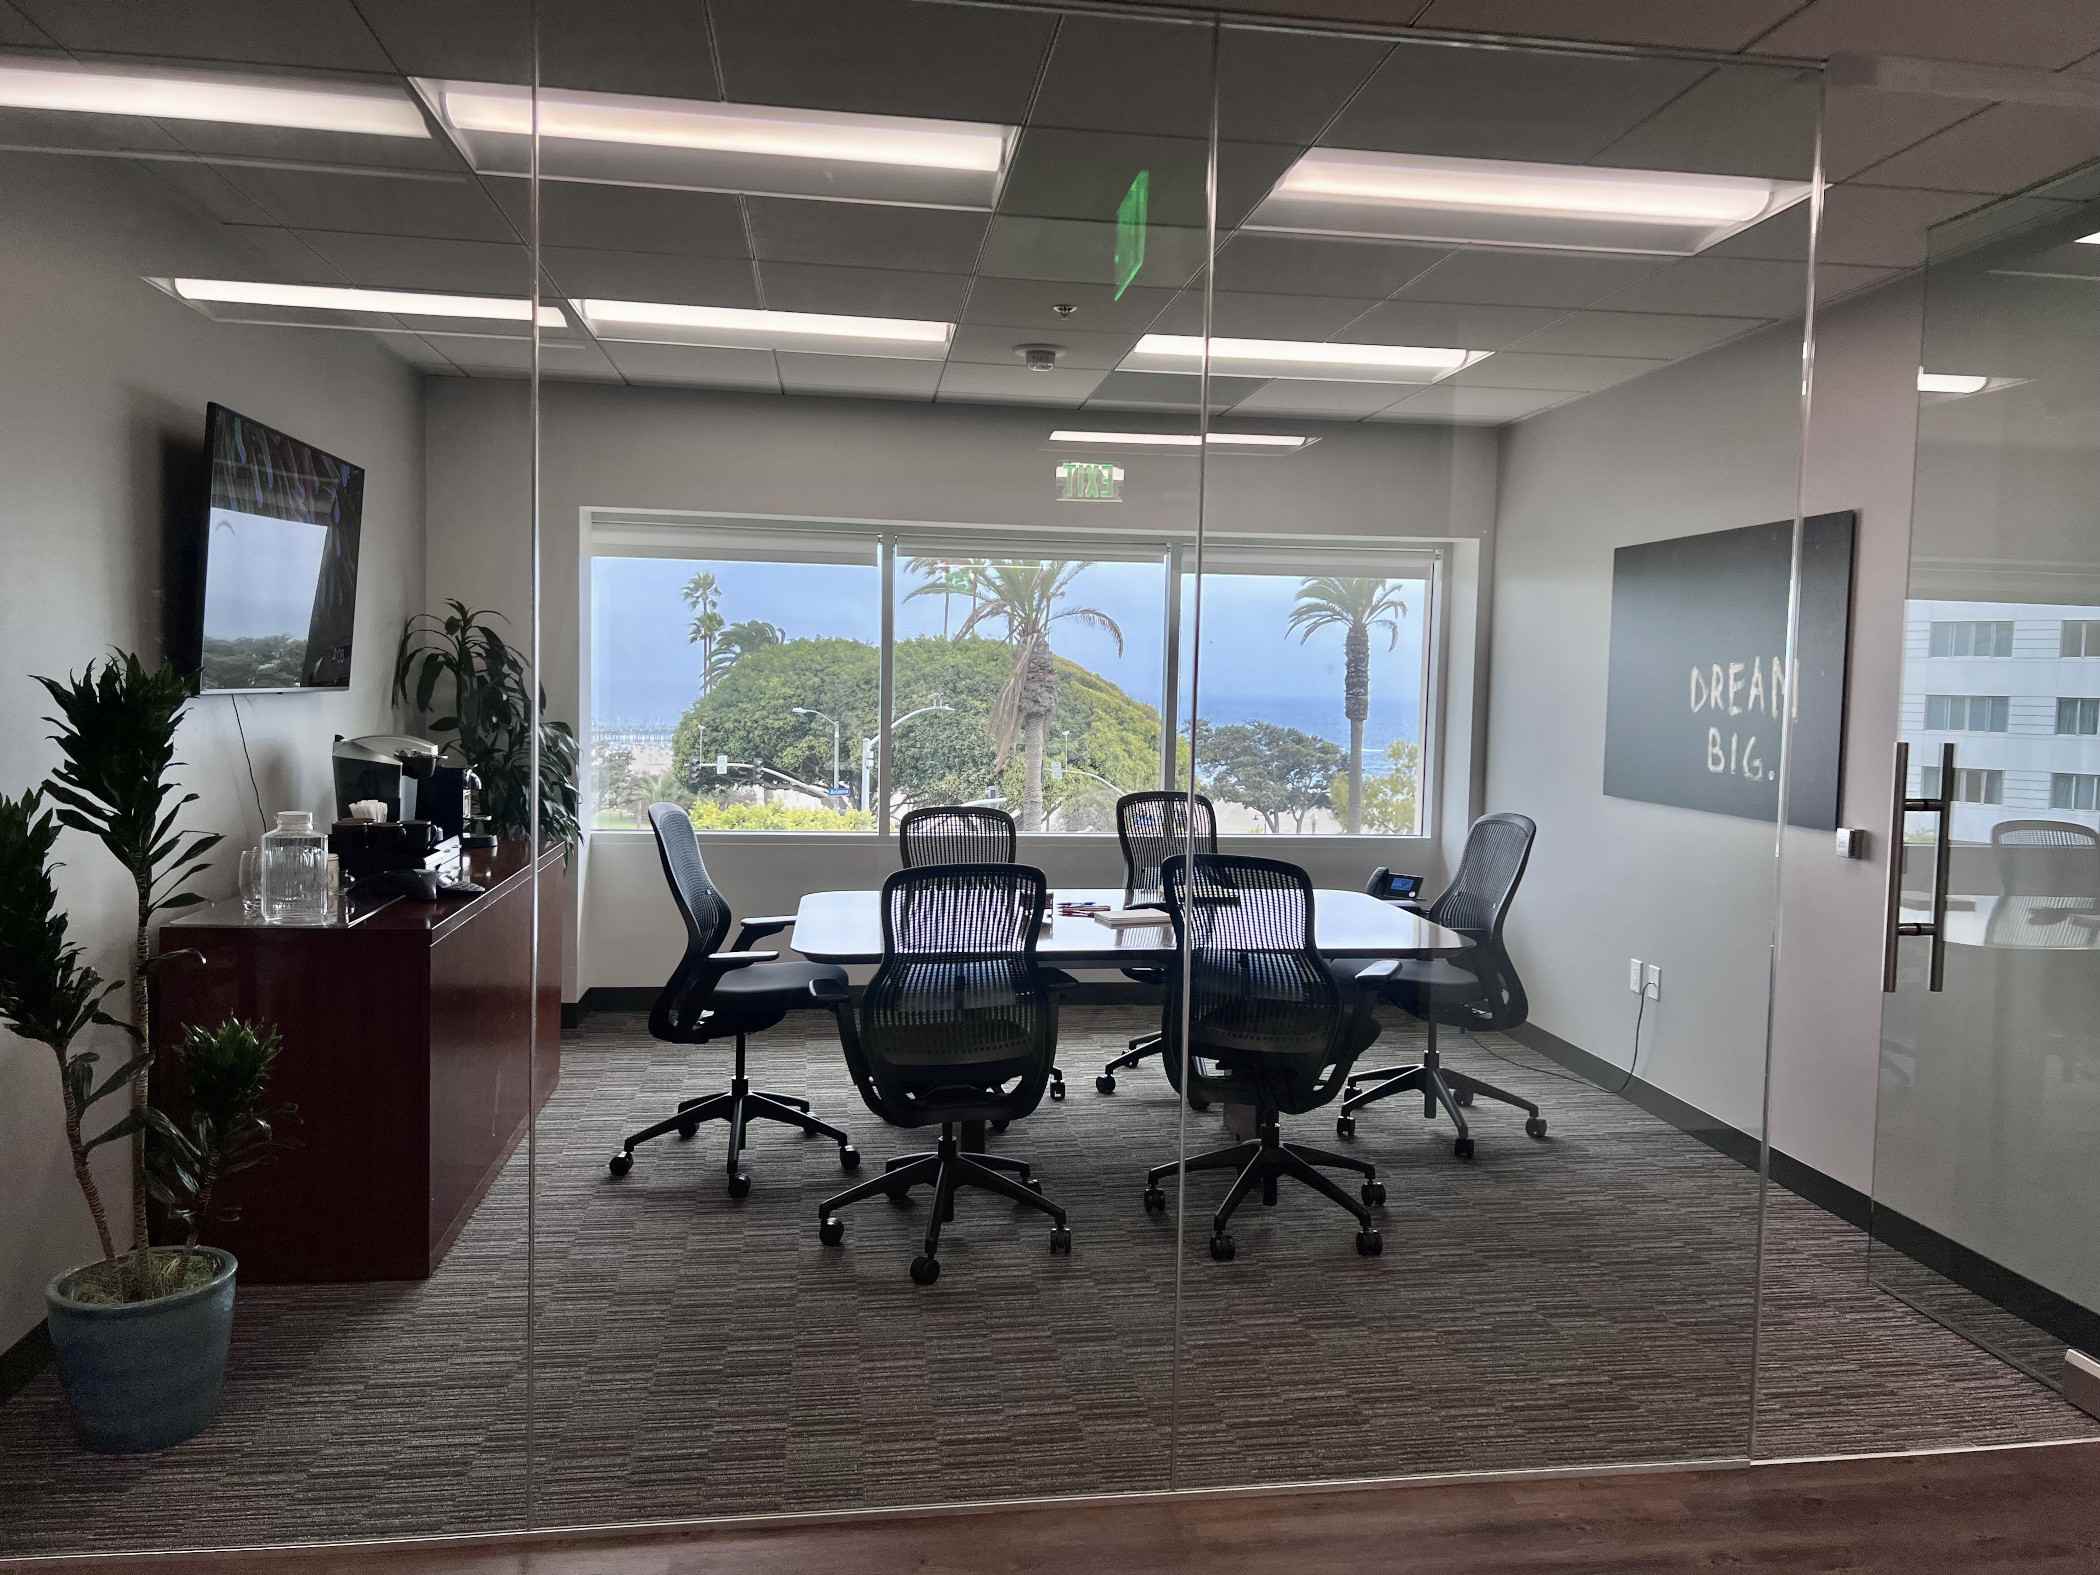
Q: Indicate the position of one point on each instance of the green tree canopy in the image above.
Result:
(1391, 797)
(1270, 769)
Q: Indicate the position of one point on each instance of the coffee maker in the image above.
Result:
(389, 767)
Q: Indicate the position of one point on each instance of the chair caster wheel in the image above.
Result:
(687, 1130)
(1222, 1248)
(620, 1163)
(1462, 1147)
(1057, 1090)
(1465, 1097)
(1155, 1201)
(1198, 1103)
(1373, 1193)
(1535, 1127)
(924, 1271)
(1369, 1244)
(900, 1198)
(849, 1158)
(1345, 1126)
(998, 1126)
(1033, 1185)
(1061, 1240)
(740, 1185)
(831, 1231)
(1106, 1083)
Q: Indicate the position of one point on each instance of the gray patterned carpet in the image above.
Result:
(1582, 1300)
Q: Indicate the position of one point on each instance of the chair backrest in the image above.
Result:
(1263, 1006)
(1477, 900)
(958, 1022)
(957, 834)
(707, 918)
(2040, 858)
(1153, 826)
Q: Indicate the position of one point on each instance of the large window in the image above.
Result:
(762, 675)
(2081, 637)
(1972, 637)
(1966, 713)
(2078, 716)
(2074, 790)
(1971, 785)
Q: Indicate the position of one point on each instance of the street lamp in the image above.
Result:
(867, 746)
(803, 710)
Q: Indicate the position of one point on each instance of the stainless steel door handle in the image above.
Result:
(1901, 804)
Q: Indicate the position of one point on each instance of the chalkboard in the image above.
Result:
(1699, 680)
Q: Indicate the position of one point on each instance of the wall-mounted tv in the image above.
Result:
(278, 561)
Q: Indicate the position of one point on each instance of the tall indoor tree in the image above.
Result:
(1355, 606)
(1030, 599)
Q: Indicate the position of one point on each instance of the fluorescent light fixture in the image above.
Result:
(2088, 240)
(334, 298)
(1309, 360)
(1502, 202)
(229, 98)
(632, 139)
(1950, 383)
(735, 327)
(1254, 440)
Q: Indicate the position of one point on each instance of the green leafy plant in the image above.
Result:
(225, 1125)
(491, 715)
(116, 739)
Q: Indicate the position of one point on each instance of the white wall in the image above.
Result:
(1705, 445)
(609, 447)
(102, 393)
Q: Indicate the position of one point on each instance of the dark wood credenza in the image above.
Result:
(406, 1034)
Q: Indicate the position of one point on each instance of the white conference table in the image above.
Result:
(846, 927)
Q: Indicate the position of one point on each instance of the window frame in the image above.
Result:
(686, 535)
(1960, 631)
(1992, 705)
(2082, 706)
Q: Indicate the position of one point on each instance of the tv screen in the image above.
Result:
(279, 566)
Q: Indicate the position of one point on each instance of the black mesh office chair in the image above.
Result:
(1270, 1025)
(715, 994)
(1476, 989)
(1153, 827)
(967, 834)
(957, 1025)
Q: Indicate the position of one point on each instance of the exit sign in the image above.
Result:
(1089, 481)
(1132, 215)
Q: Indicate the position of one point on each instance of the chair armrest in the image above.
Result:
(1378, 972)
(759, 929)
(830, 992)
(741, 959)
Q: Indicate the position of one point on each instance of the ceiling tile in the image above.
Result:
(994, 346)
(868, 377)
(1014, 385)
(1290, 396)
(449, 209)
(1085, 250)
(629, 218)
(1116, 74)
(1308, 265)
(865, 235)
(1482, 406)
(1863, 125)
(1518, 278)
(1285, 87)
(421, 353)
(397, 262)
(1028, 303)
(650, 276)
(1235, 315)
(862, 292)
(40, 128)
(697, 366)
(1576, 373)
(1679, 24)
(1170, 391)
(320, 33)
(1739, 120)
(1505, 104)
(1740, 287)
(18, 32)
(1875, 226)
(656, 47)
(883, 57)
(204, 188)
(2004, 148)
(264, 252)
(1059, 174)
(1448, 327)
(1637, 334)
(576, 361)
(2045, 33)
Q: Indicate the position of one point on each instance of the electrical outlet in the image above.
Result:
(1633, 974)
(1655, 981)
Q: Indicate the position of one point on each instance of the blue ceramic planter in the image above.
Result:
(143, 1375)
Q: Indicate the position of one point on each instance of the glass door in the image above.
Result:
(1985, 1185)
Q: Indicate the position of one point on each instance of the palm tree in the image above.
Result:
(739, 640)
(704, 596)
(1356, 607)
(1027, 597)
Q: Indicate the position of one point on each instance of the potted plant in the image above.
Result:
(492, 717)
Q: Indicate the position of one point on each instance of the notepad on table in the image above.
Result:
(1131, 918)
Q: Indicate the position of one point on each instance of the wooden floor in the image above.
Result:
(2035, 1511)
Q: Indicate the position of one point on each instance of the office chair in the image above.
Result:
(967, 834)
(1269, 1024)
(715, 994)
(957, 1025)
(1477, 989)
(1153, 827)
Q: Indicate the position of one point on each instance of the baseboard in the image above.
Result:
(23, 1361)
(2013, 1292)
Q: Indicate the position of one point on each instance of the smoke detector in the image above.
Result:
(1039, 358)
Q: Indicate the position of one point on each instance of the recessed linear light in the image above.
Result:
(1501, 202)
(733, 327)
(2088, 240)
(334, 298)
(1936, 386)
(230, 98)
(1309, 360)
(1271, 440)
(629, 138)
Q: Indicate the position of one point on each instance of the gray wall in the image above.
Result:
(104, 381)
(880, 460)
(1707, 444)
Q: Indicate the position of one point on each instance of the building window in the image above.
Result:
(2081, 637)
(1966, 713)
(1971, 785)
(2074, 790)
(1975, 637)
(781, 678)
(2078, 716)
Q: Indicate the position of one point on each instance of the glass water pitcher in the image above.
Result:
(294, 871)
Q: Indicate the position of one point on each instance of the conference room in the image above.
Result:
(1048, 752)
